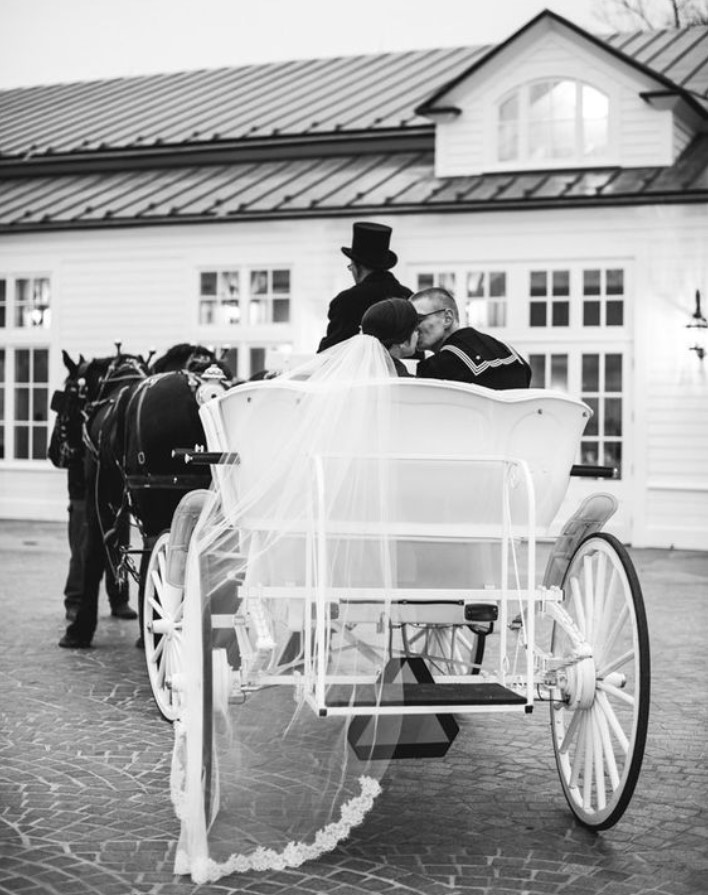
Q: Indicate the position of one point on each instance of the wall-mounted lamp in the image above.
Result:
(699, 329)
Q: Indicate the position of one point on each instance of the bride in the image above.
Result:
(259, 781)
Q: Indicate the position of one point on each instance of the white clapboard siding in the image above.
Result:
(140, 285)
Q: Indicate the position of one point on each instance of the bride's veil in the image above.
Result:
(292, 536)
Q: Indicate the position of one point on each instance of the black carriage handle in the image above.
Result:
(586, 471)
(205, 458)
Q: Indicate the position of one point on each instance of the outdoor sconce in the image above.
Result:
(699, 329)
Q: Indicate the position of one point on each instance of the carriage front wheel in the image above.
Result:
(600, 715)
(163, 607)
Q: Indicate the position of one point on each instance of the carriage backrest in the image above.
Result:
(442, 424)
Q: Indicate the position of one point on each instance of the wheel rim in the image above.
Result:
(599, 722)
(162, 630)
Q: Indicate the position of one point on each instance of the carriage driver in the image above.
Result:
(370, 263)
(462, 353)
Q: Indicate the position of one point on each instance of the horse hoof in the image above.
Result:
(68, 641)
(124, 611)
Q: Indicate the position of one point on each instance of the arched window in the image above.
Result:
(553, 120)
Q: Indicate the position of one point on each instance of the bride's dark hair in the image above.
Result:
(391, 321)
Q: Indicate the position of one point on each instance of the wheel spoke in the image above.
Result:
(606, 649)
(589, 591)
(600, 586)
(599, 763)
(570, 732)
(607, 746)
(614, 722)
(159, 648)
(579, 751)
(616, 663)
(616, 692)
(156, 607)
(578, 603)
(589, 761)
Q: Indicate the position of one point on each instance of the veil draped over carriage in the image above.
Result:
(259, 781)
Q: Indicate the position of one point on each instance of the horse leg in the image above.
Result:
(80, 632)
(117, 586)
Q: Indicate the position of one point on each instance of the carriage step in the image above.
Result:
(421, 694)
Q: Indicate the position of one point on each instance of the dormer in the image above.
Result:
(552, 97)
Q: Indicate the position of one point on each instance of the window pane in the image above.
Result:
(561, 313)
(477, 313)
(22, 404)
(497, 285)
(538, 313)
(508, 141)
(2, 364)
(561, 282)
(537, 362)
(496, 313)
(3, 302)
(21, 442)
(613, 416)
(615, 282)
(613, 373)
(259, 282)
(257, 311)
(589, 453)
(593, 425)
(595, 117)
(39, 443)
(538, 283)
(40, 405)
(207, 312)
(207, 284)
(475, 284)
(22, 365)
(591, 313)
(229, 284)
(559, 371)
(591, 282)
(447, 281)
(257, 358)
(613, 455)
(231, 312)
(425, 281)
(230, 358)
(591, 373)
(563, 138)
(281, 310)
(281, 281)
(509, 108)
(615, 313)
(41, 365)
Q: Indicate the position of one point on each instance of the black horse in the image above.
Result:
(134, 417)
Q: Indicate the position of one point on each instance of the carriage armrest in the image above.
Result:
(205, 458)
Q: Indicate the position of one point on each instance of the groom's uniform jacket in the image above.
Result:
(347, 308)
(471, 356)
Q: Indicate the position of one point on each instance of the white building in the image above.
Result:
(558, 183)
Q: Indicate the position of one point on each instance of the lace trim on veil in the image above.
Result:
(206, 870)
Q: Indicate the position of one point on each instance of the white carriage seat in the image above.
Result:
(450, 446)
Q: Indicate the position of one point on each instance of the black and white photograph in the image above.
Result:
(353, 447)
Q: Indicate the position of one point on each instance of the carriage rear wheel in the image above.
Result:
(163, 607)
(599, 723)
(447, 649)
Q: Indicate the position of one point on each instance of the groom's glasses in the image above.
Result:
(421, 317)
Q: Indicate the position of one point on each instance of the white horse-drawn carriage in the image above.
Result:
(388, 578)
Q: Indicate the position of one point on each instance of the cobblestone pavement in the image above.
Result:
(84, 766)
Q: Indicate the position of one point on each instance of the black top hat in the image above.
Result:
(370, 246)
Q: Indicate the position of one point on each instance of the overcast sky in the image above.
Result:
(50, 41)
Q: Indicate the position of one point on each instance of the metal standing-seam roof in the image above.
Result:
(303, 138)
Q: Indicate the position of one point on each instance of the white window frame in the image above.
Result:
(524, 161)
(15, 338)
